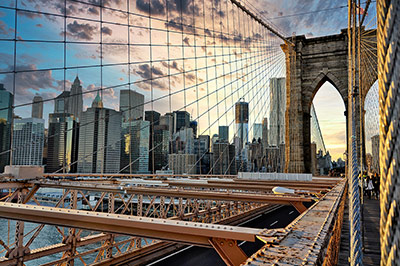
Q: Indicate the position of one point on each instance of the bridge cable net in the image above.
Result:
(156, 83)
(353, 172)
(316, 134)
(389, 149)
(130, 71)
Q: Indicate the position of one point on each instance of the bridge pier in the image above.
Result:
(309, 64)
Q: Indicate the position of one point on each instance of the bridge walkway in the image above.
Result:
(372, 250)
(371, 234)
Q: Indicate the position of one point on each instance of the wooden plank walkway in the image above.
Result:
(372, 246)
(372, 252)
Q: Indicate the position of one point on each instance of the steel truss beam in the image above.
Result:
(222, 237)
(178, 193)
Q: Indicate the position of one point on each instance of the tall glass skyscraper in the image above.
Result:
(131, 104)
(257, 131)
(62, 143)
(75, 101)
(6, 102)
(37, 107)
(223, 133)
(28, 141)
(242, 127)
(135, 146)
(99, 139)
(242, 130)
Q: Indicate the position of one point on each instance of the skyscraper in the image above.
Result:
(184, 141)
(61, 103)
(181, 120)
(265, 133)
(62, 143)
(75, 101)
(131, 104)
(37, 107)
(241, 119)
(277, 111)
(375, 153)
(28, 141)
(6, 102)
(135, 147)
(168, 121)
(99, 139)
(154, 119)
(257, 131)
(223, 158)
(223, 133)
(161, 147)
(202, 150)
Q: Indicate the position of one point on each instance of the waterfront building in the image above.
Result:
(28, 141)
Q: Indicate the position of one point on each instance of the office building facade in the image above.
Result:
(135, 147)
(277, 111)
(75, 100)
(28, 141)
(99, 140)
(223, 162)
(37, 107)
(223, 133)
(6, 102)
(131, 105)
(62, 145)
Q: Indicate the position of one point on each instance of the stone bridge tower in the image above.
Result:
(309, 64)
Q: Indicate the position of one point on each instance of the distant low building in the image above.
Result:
(182, 163)
(324, 162)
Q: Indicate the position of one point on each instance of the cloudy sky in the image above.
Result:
(199, 56)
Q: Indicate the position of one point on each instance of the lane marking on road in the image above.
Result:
(170, 255)
(273, 223)
(291, 212)
(248, 221)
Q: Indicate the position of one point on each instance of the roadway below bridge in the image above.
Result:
(193, 255)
